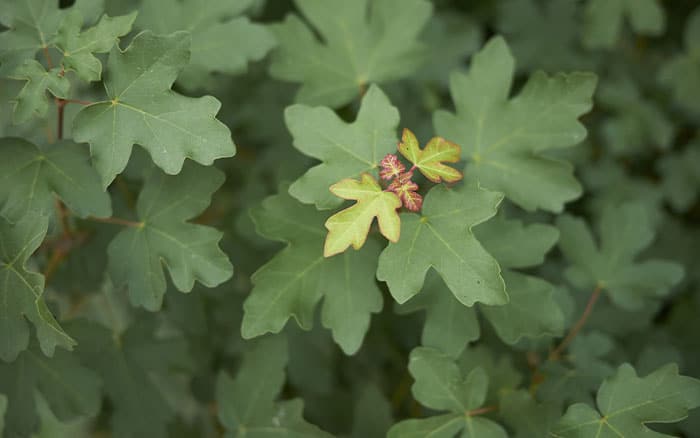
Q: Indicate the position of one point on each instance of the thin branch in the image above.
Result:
(49, 64)
(61, 249)
(62, 214)
(78, 101)
(60, 105)
(49, 134)
(482, 411)
(116, 221)
(556, 353)
(363, 89)
(402, 390)
(55, 260)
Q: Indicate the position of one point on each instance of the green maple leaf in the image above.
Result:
(141, 108)
(504, 141)
(346, 150)
(449, 325)
(531, 310)
(604, 20)
(126, 362)
(610, 184)
(78, 47)
(39, 24)
(163, 237)
(297, 277)
(586, 364)
(636, 121)
(542, 35)
(365, 42)
(441, 385)
(441, 238)
(32, 26)
(247, 405)
(30, 175)
(351, 226)
(626, 403)
(21, 291)
(222, 40)
(372, 414)
(681, 177)
(429, 161)
(611, 265)
(526, 416)
(457, 35)
(70, 389)
(499, 367)
(32, 100)
(680, 72)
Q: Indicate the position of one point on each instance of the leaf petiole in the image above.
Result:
(556, 353)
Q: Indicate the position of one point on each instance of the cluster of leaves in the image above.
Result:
(351, 226)
(540, 277)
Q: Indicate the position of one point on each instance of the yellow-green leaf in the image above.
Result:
(429, 160)
(350, 226)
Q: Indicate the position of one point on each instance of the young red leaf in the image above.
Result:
(391, 167)
(411, 200)
(405, 188)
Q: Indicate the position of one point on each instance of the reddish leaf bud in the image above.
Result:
(391, 167)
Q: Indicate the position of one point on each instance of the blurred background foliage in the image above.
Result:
(643, 145)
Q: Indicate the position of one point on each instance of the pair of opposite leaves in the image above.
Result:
(351, 225)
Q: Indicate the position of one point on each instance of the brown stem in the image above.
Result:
(60, 105)
(116, 221)
(401, 391)
(78, 101)
(556, 353)
(60, 250)
(481, 411)
(49, 134)
(55, 260)
(49, 64)
(363, 89)
(62, 214)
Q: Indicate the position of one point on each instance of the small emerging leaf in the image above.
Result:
(351, 226)
(405, 188)
(429, 160)
(391, 167)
